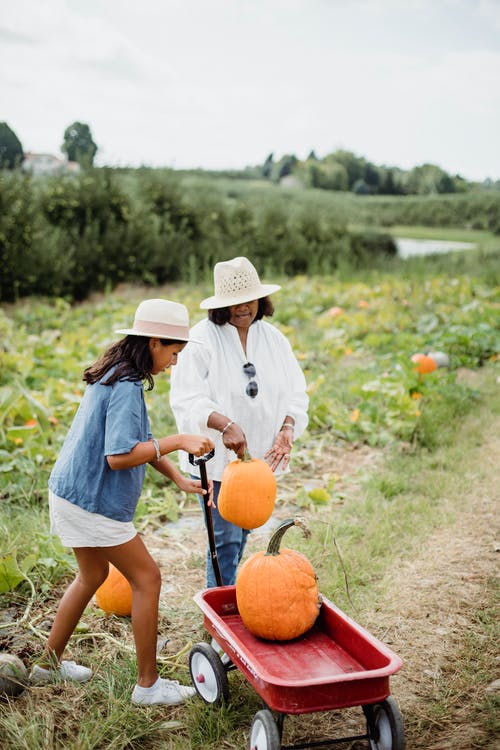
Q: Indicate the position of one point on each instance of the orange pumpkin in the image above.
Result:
(277, 590)
(114, 596)
(248, 492)
(425, 364)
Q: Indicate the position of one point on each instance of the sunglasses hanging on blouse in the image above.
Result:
(252, 388)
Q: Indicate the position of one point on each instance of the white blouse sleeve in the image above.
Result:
(299, 400)
(189, 389)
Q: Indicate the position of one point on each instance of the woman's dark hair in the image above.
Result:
(220, 315)
(131, 359)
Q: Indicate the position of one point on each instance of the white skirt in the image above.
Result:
(77, 527)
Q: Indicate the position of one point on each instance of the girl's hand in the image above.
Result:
(186, 484)
(280, 452)
(234, 439)
(198, 445)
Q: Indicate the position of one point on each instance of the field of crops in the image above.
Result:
(354, 338)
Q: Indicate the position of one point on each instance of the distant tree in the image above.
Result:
(312, 156)
(354, 165)
(11, 150)
(330, 176)
(428, 179)
(372, 177)
(267, 167)
(286, 165)
(78, 144)
(387, 185)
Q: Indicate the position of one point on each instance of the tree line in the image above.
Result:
(344, 171)
(341, 171)
(70, 235)
(78, 145)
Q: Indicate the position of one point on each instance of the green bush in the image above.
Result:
(70, 235)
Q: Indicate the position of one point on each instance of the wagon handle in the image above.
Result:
(200, 462)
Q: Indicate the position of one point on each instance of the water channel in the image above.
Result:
(409, 247)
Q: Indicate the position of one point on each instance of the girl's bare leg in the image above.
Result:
(134, 561)
(92, 571)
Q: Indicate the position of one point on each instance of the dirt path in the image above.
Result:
(427, 615)
(431, 613)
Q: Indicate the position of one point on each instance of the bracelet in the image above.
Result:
(157, 448)
(287, 424)
(226, 427)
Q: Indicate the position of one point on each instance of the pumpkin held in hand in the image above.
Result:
(277, 590)
(114, 596)
(248, 492)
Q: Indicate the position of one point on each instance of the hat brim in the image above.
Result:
(238, 298)
(135, 332)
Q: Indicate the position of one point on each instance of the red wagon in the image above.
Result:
(336, 664)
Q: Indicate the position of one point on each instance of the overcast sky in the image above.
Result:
(222, 83)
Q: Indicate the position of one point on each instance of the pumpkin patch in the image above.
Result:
(114, 596)
(277, 590)
(248, 493)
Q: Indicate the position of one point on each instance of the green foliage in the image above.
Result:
(78, 144)
(354, 337)
(11, 150)
(346, 171)
(20, 260)
(67, 236)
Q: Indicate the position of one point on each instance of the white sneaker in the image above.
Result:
(67, 670)
(167, 692)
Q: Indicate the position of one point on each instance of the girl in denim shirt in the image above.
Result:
(95, 486)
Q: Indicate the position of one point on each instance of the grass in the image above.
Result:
(421, 478)
(385, 520)
(412, 492)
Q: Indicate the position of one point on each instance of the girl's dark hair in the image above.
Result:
(220, 315)
(131, 359)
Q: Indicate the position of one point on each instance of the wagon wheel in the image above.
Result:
(264, 734)
(385, 726)
(208, 674)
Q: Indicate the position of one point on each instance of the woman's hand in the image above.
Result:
(234, 439)
(280, 452)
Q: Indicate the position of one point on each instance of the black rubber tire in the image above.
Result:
(389, 732)
(264, 734)
(208, 674)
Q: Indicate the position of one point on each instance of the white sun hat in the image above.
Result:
(236, 281)
(161, 319)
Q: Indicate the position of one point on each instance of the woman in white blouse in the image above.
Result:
(243, 387)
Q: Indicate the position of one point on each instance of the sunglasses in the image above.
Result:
(252, 388)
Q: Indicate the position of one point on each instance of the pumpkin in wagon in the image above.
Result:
(114, 596)
(248, 492)
(277, 590)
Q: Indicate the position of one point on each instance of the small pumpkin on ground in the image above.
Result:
(424, 363)
(277, 590)
(248, 492)
(114, 596)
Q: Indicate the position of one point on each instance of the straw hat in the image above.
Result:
(161, 319)
(236, 281)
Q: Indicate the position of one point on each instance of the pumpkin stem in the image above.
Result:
(273, 548)
(246, 456)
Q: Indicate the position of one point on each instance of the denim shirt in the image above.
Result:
(110, 420)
